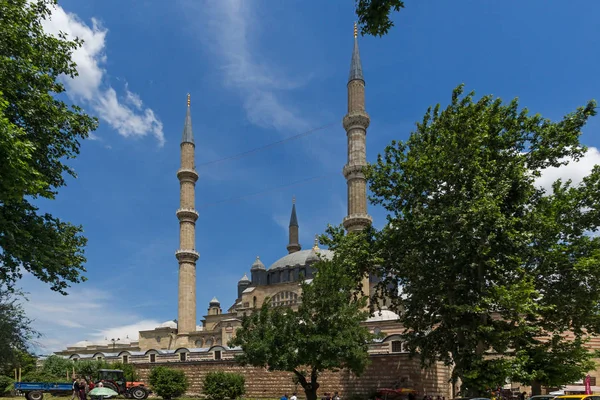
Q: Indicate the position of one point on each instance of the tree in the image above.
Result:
(374, 15)
(37, 133)
(219, 385)
(15, 331)
(167, 382)
(323, 334)
(488, 262)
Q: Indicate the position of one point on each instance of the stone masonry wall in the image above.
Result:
(384, 371)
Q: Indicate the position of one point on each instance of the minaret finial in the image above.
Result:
(293, 199)
(355, 31)
(316, 245)
(188, 100)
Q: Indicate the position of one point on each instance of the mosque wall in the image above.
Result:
(384, 371)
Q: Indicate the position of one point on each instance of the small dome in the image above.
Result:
(168, 324)
(83, 343)
(244, 280)
(257, 264)
(384, 315)
(299, 258)
(214, 302)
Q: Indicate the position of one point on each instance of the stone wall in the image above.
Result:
(384, 371)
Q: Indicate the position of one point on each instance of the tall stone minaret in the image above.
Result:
(356, 123)
(187, 215)
(294, 243)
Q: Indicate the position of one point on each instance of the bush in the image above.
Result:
(45, 377)
(167, 382)
(128, 369)
(6, 385)
(220, 385)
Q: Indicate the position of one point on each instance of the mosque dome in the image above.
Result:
(298, 258)
(168, 324)
(384, 315)
(257, 264)
(83, 343)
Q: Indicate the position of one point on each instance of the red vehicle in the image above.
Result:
(115, 379)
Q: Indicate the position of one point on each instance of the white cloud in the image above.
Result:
(128, 117)
(85, 314)
(575, 171)
(229, 34)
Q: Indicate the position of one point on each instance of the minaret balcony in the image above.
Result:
(356, 119)
(190, 256)
(187, 215)
(187, 175)
(352, 172)
(355, 222)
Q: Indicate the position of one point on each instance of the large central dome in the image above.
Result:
(299, 258)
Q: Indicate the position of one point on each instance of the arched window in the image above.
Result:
(199, 343)
(268, 279)
(254, 302)
(285, 298)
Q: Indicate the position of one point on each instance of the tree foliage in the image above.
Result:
(15, 331)
(38, 132)
(219, 385)
(167, 382)
(489, 262)
(374, 15)
(323, 334)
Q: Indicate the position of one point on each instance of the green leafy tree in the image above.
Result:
(37, 133)
(488, 262)
(323, 334)
(167, 382)
(15, 331)
(6, 385)
(374, 15)
(219, 385)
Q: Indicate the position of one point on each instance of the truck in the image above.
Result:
(111, 378)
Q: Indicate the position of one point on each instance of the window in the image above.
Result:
(99, 358)
(284, 299)
(182, 356)
(217, 355)
(291, 276)
(75, 359)
(199, 343)
(125, 359)
(397, 346)
(254, 302)
(152, 358)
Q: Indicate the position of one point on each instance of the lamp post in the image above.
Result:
(114, 342)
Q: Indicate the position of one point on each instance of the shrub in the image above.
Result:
(42, 376)
(167, 382)
(220, 385)
(6, 385)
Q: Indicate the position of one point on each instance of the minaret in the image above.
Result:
(293, 245)
(187, 215)
(356, 123)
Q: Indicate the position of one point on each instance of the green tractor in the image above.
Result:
(115, 379)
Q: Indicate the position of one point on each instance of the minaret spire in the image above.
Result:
(293, 245)
(356, 123)
(187, 215)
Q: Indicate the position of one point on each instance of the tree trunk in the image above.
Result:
(311, 391)
(536, 388)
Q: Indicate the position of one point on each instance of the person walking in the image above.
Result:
(294, 397)
(75, 389)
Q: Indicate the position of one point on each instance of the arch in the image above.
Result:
(182, 350)
(199, 343)
(124, 353)
(74, 357)
(394, 336)
(284, 298)
(151, 351)
(96, 355)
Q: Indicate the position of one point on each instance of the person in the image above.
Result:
(284, 397)
(294, 397)
(75, 389)
(336, 396)
(100, 384)
(82, 387)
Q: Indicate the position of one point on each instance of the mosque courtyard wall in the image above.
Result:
(384, 371)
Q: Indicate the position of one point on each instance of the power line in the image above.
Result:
(296, 183)
(273, 144)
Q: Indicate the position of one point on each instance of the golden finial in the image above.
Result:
(188, 100)
(355, 31)
(316, 245)
(293, 199)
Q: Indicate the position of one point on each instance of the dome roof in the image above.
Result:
(384, 315)
(214, 301)
(83, 343)
(299, 258)
(257, 264)
(244, 279)
(168, 324)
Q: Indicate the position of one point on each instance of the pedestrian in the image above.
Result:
(284, 397)
(336, 396)
(82, 387)
(294, 397)
(75, 389)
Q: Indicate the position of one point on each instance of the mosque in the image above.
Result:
(184, 339)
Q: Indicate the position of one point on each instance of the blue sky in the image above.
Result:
(259, 71)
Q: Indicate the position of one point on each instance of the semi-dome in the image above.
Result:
(384, 315)
(298, 258)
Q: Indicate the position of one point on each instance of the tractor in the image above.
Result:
(115, 379)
